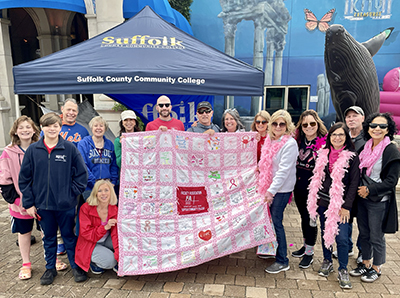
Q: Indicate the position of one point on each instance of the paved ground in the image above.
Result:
(238, 275)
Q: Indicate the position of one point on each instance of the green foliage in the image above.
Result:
(183, 6)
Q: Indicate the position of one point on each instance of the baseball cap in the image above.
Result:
(128, 114)
(356, 109)
(204, 104)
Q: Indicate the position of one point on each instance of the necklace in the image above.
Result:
(307, 143)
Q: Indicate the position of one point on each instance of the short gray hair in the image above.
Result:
(70, 99)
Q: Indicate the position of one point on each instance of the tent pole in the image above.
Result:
(17, 111)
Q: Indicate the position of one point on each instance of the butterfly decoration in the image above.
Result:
(322, 24)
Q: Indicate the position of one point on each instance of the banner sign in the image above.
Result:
(187, 198)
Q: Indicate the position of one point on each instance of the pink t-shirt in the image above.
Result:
(171, 124)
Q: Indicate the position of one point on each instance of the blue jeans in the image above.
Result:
(342, 241)
(49, 223)
(277, 207)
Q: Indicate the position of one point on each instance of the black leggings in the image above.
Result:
(309, 233)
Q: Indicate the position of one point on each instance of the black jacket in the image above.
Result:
(350, 181)
(390, 177)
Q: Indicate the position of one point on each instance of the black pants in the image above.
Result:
(309, 233)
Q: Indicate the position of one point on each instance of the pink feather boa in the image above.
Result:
(268, 151)
(336, 191)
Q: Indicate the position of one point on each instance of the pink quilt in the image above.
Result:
(187, 198)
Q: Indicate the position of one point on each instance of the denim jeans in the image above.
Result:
(370, 218)
(277, 208)
(342, 241)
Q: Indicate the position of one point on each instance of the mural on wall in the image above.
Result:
(295, 56)
(313, 23)
(351, 71)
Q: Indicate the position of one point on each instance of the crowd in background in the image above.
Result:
(349, 171)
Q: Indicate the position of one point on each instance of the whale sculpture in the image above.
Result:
(350, 70)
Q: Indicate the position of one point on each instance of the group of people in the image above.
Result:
(350, 170)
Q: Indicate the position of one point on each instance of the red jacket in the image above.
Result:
(91, 231)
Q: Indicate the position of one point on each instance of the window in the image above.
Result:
(294, 99)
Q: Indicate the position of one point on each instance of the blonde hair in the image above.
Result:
(263, 114)
(13, 131)
(98, 119)
(92, 199)
(290, 128)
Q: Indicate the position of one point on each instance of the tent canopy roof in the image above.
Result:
(71, 5)
(145, 55)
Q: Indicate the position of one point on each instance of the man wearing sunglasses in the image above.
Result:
(165, 121)
(204, 115)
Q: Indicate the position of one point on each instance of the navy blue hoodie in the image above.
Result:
(99, 167)
(52, 181)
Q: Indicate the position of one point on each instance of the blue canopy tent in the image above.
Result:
(71, 5)
(144, 55)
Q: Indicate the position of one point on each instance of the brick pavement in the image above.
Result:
(238, 275)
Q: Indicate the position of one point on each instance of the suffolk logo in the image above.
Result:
(60, 157)
(143, 41)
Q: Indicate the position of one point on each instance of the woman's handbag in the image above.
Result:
(368, 182)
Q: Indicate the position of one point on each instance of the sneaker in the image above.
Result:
(335, 255)
(359, 258)
(299, 253)
(61, 249)
(306, 261)
(326, 268)
(48, 277)
(115, 268)
(360, 270)
(95, 269)
(79, 274)
(344, 280)
(266, 256)
(276, 268)
(371, 275)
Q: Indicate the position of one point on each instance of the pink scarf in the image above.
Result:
(336, 191)
(369, 157)
(268, 151)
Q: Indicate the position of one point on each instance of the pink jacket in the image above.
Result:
(10, 164)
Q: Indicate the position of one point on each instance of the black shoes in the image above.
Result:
(79, 274)
(299, 253)
(48, 277)
(306, 261)
(33, 240)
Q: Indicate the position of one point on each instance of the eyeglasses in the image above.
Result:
(375, 125)
(161, 105)
(282, 124)
(312, 124)
(261, 121)
(340, 135)
(204, 111)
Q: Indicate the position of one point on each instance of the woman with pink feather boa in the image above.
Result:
(277, 178)
(332, 191)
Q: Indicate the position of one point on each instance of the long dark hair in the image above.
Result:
(392, 128)
(321, 131)
(122, 128)
(348, 143)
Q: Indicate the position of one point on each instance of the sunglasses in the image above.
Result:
(263, 121)
(161, 105)
(282, 124)
(312, 124)
(204, 111)
(375, 125)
